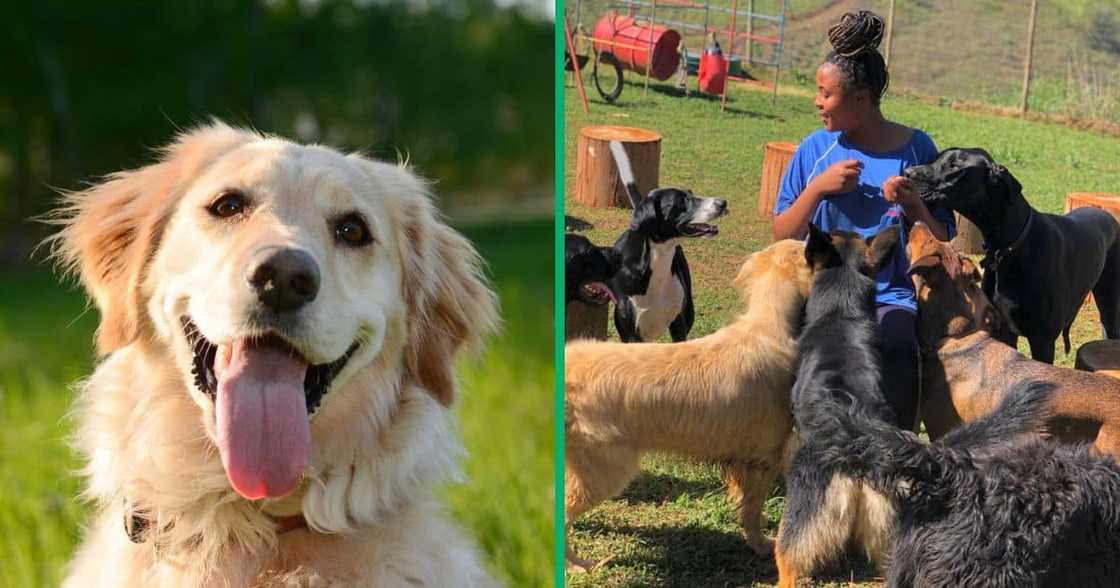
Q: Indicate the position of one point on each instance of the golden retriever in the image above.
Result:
(278, 328)
(723, 397)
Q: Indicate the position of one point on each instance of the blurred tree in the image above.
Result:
(463, 88)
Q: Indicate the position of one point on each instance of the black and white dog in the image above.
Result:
(653, 284)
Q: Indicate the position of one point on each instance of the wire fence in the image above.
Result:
(955, 50)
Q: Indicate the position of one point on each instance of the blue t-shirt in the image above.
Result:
(863, 210)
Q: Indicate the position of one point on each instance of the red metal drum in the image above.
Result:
(630, 43)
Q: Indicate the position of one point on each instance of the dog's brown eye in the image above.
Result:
(352, 230)
(229, 204)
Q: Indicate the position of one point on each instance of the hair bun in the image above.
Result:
(856, 32)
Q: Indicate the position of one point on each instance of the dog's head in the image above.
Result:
(587, 269)
(776, 280)
(947, 285)
(843, 249)
(671, 213)
(967, 181)
(273, 273)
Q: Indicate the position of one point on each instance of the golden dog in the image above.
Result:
(278, 325)
(723, 397)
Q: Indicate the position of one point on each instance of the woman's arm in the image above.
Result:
(840, 177)
(897, 189)
(794, 222)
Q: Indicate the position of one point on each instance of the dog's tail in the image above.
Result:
(625, 173)
(899, 464)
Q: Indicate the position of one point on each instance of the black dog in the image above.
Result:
(1039, 267)
(988, 505)
(587, 270)
(837, 350)
(653, 284)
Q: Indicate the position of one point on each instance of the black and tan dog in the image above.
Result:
(966, 373)
(990, 504)
(837, 350)
(1039, 267)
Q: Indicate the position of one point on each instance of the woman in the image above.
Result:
(846, 176)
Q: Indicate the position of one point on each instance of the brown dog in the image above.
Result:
(722, 398)
(966, 372)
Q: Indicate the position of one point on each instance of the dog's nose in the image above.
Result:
(284, 280)
(721, 205)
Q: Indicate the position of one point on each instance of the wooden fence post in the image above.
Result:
(890, 33)
(1027, 59)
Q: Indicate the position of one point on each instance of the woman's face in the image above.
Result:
(840, 110)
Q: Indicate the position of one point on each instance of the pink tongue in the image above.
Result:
(263, 434)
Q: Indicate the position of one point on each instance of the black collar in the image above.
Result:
(993, 257)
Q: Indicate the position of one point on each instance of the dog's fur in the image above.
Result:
(1039, 267)
(653, 283)
(990, 505)
(150, 251)
(966, 372)
(723, 397)
(838, 349)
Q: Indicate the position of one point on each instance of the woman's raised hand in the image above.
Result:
(840, 177)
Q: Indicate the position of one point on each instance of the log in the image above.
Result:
(775, 159)
(968, 240)
(585, 321)
(597, 181)
(1095, 356)
(1109, 203)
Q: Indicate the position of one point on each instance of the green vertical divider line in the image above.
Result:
(558, 281)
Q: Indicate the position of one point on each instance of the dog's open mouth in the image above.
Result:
(699, 230)
(596, 293)
(264, 392)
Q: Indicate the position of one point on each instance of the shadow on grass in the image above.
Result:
(657, 488)
(574, 223)
(699, 556)
(692, 555)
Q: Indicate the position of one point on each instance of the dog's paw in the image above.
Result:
(763, 547)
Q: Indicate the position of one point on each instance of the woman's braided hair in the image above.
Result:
(855, 41)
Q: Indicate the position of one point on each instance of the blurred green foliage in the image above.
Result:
(463, 88)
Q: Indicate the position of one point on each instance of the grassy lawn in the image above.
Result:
(506, 410)
(673, 525)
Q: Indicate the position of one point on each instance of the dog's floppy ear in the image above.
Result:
(923, 265)
(969, 269)
(449, 300)
(819, 250)
(111, 230)
(999, 177)
(882, 247)
(646, 213)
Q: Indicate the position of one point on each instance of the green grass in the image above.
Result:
(506, 414)
(682, 531)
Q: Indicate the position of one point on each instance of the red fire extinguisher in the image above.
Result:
(713, 68)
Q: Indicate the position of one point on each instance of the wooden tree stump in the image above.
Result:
(968, 239)
(597, 181)
(1109, 203)
(585, 321)
(1095, 356)
(775, 159)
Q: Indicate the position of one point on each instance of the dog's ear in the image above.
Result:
(111, 230)
(449, 300)
(1002, 180)
(969, 269)
(819, 250)
(882, 246)
(923, 265)
(646, 214)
